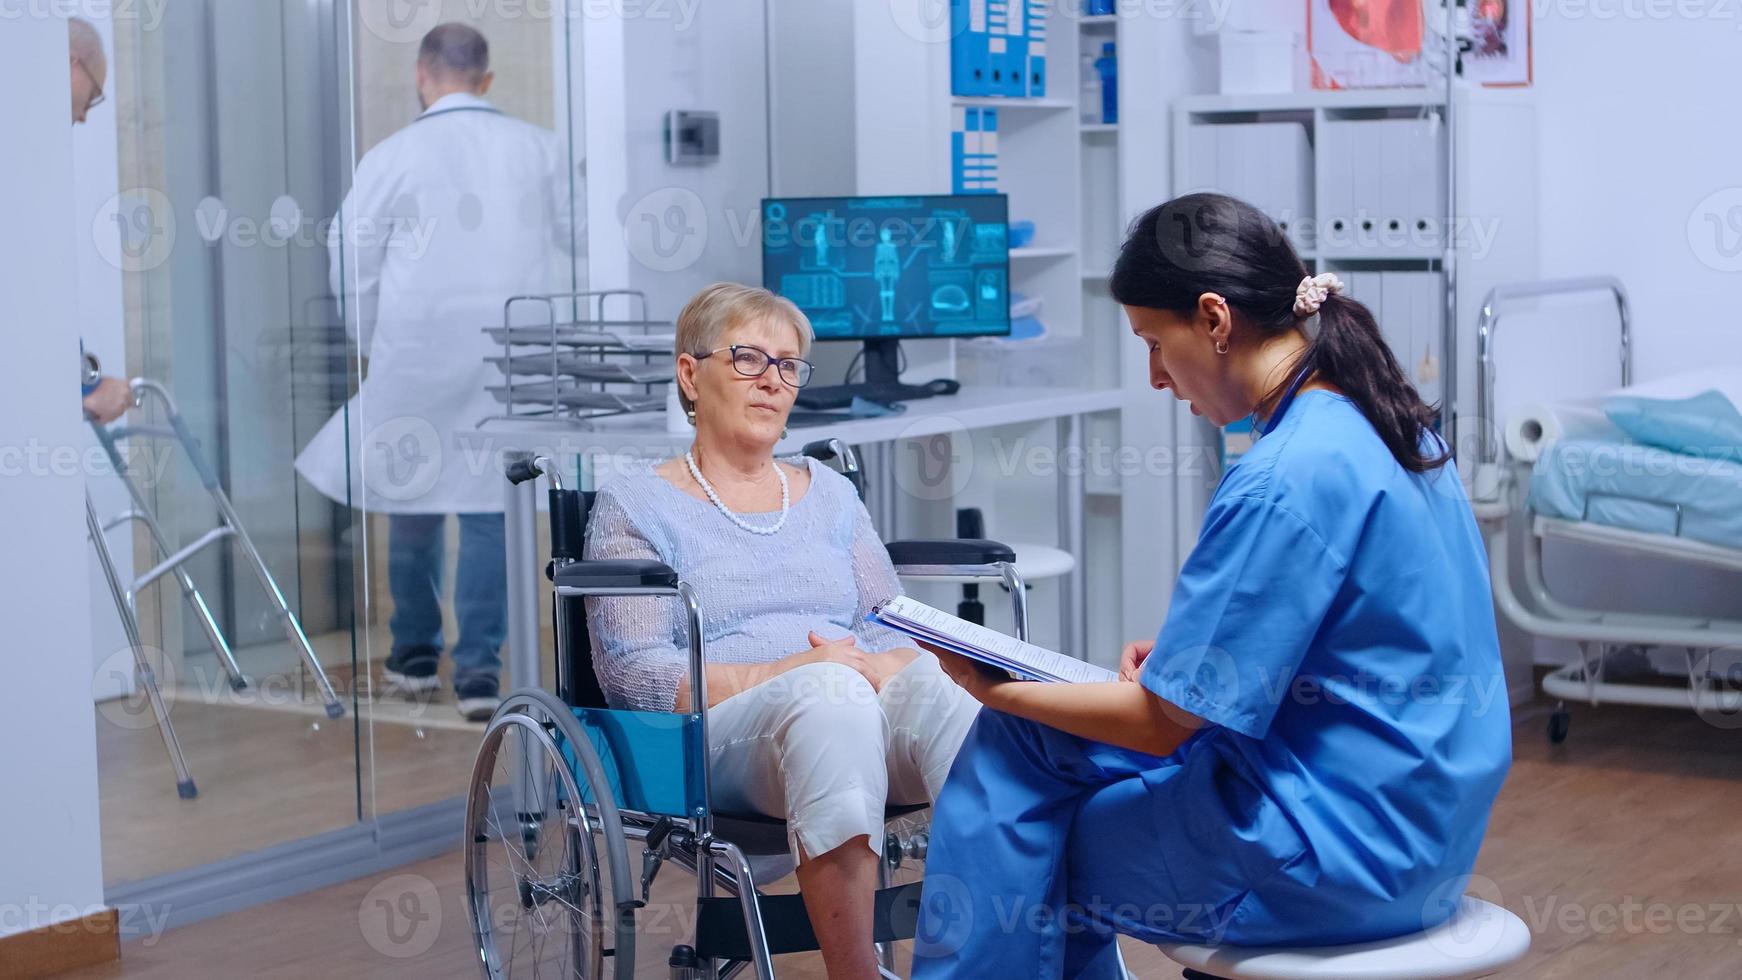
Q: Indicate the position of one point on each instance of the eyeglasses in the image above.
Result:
(752, 362)
(97, 98)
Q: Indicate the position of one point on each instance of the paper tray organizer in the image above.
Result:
(594, 354)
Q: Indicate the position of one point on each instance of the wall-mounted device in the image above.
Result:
(691, 137)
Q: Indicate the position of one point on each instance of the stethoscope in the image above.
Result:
(1287, 400)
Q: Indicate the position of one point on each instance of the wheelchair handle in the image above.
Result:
(824, 450)
(568, 509)
(525, 467)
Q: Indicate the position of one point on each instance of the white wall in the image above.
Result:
(50, 863)
(669, 230)
(1160, 61)
(101, 324)
(810, 97)
(1638, 129)
(812, 128)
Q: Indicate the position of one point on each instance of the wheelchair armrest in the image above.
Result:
(949, 551)
(622, 574)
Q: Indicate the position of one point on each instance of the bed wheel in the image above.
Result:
(1558, 724)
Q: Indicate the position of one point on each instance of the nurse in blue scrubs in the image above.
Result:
(1308, 751)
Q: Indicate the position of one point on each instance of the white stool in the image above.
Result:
(1477, 941)
(1039, 561)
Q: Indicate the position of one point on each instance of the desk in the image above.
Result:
(644, 436)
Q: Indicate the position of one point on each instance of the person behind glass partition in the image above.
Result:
(445, 220)
(106, 398)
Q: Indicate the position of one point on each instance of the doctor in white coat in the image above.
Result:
(446, 219)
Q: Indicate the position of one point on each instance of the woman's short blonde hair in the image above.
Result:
(718, 308)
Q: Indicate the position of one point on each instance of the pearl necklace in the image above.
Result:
(708, 488)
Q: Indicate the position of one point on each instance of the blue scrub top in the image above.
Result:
(1333, 628)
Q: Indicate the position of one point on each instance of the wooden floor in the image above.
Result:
(1620, 849)
(267, 775)
(269, 764)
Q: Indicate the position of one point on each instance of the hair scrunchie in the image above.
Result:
(1311, 293)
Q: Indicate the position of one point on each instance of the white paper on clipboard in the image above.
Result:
(939, 628)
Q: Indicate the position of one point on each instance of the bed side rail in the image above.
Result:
(1488, 322)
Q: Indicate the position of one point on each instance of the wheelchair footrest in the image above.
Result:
(720, 924)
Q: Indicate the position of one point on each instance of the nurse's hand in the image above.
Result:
(1131, 660)
(969, 674)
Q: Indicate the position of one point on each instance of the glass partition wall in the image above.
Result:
(238, 135)
(484, 174)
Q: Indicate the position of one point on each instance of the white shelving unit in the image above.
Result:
(1356, 180)
(1041, 252)
(1044, 104)
(1102, 225)
(1370, 204)
(1100, 228)
(902, 124)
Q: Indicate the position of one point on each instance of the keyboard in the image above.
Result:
(841, 396)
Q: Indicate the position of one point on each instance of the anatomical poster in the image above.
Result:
(1401, 43)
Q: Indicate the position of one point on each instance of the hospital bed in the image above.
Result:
(1599, 489)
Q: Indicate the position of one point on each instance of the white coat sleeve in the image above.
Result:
(357, 243)
(565, 195)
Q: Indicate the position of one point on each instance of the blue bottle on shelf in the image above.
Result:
(1108, 65)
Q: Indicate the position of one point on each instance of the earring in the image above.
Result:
(783, 432)
(1221, 347)
(692, 417)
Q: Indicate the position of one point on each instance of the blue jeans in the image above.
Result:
(414, 577)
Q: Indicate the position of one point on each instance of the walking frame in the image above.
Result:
(171, 562)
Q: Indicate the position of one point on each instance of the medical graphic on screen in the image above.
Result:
(876, 267)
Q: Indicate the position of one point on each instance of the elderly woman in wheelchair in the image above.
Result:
(809, 714)
(813, 714)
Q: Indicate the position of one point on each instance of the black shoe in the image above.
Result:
(412, 671)
(477, 698)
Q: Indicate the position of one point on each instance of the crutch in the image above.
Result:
(230, 526)
(184, 781)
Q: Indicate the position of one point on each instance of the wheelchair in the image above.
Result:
(562, 784)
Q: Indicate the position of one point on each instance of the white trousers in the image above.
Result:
(820, 747)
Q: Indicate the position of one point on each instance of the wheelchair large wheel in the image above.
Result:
(532, 857)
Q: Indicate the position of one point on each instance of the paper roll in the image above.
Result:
(1533, 428)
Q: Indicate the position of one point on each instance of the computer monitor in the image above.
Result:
(877, 269)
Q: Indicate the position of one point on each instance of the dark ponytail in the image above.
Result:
(1212, 243)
